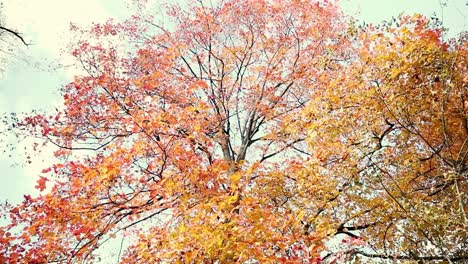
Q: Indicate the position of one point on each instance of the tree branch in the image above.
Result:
(400, 257)
(14, 33)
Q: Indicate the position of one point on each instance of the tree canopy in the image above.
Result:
(256, 131)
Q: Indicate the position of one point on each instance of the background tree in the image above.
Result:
(259, 131)
(8, 39)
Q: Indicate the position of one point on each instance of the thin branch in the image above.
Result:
(120, 250)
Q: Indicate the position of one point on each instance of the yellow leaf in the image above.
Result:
(232, 199)
(235, 179)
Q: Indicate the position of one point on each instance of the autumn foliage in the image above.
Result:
(253, 132)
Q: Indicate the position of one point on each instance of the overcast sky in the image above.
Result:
(30, 83)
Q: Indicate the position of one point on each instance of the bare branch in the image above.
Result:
(16, 34)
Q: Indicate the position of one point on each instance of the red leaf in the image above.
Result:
(46, 170)
(27, 198)
(41, 183)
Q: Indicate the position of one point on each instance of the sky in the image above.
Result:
(33, 77)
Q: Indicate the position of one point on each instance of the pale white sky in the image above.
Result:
(32, 85)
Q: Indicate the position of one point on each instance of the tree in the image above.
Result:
(253, 131)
